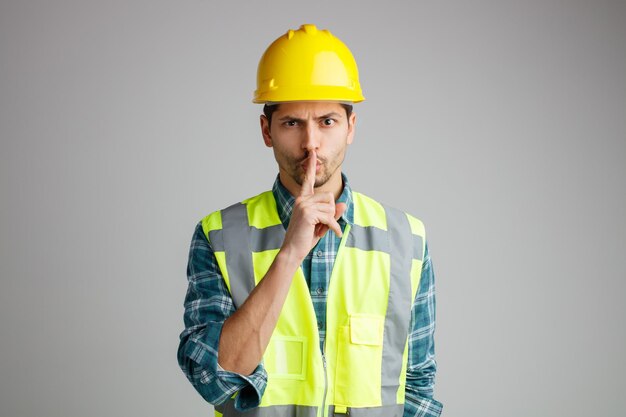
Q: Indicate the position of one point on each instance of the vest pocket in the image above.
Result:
(284, 357)
(359, 361)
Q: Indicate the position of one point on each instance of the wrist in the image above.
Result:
(289, 257)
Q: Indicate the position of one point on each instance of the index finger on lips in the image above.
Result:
(308, 185)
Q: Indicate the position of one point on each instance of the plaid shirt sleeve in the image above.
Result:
(207, 306)
(420, 375)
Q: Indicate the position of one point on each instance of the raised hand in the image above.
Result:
(313, 215)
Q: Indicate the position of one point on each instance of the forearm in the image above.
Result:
(246, 334)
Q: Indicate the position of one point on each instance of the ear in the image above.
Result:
(351, 123)
(265, 131)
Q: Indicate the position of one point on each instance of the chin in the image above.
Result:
(323, 181)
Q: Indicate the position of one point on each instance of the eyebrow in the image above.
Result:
(325, 116)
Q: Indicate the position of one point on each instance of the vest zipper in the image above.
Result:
(323, 409)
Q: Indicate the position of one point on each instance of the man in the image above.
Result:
(310, 299)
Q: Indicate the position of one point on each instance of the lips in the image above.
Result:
(305, 165)
(304, 161)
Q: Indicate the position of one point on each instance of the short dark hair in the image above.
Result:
(268, 111)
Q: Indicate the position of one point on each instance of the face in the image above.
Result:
(298, 128)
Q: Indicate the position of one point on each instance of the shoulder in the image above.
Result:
(371, 212)
(213, 221)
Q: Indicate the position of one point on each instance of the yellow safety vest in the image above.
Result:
(362, 371)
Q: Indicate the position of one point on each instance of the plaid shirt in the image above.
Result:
(208, 304)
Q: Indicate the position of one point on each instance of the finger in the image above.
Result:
(340, 208)
(320, 230)
(334, 226)
(325, 198)
(328, 221)
(312, 208)
(324, 208)
(308, 185)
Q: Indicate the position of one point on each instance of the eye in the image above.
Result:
(291, 123)
(328, 121)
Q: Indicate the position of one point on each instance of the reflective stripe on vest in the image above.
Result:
(228, 409)
(393, 241)
(394, 410)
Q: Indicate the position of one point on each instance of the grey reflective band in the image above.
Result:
(216, 239)
(239, 240)
(371, 238)
(418, 247)
(397, 318)
(270, 238)
(368, 238)
(238, 254)
(228, 410)
(392, 410)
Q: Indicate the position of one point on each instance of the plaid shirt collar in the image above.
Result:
(285, 202)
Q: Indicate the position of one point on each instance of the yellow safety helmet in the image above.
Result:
(307, 65)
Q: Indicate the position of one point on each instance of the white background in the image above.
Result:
(500, 124)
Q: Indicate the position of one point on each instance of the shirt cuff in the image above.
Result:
(416, 406)
(216, 384)
(251, 387)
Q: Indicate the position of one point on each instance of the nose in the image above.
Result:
(311, 137)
